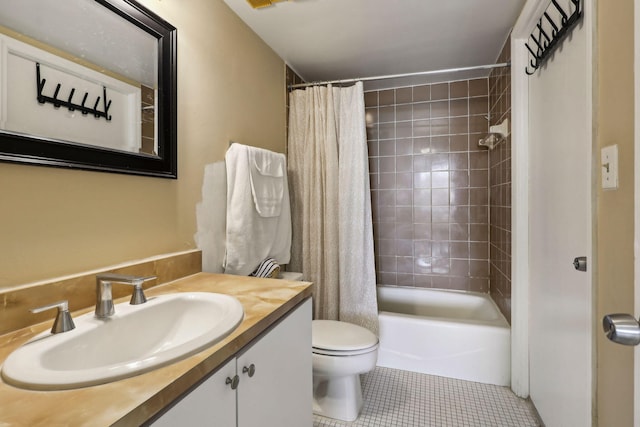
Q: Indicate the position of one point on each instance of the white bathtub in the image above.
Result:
(447, 333)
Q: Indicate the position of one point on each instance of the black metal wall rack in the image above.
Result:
(545, 42)
(57, 103)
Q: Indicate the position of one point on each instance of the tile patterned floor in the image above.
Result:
(395, 398)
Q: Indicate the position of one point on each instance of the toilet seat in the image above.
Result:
(325, 352)
(335, 338)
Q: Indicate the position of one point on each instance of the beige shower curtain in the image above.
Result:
(331, 202)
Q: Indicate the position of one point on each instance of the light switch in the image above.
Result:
(609, 167)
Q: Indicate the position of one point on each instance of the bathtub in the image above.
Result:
(452, 334)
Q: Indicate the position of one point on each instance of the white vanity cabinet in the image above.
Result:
(274, 387)
(212, 403)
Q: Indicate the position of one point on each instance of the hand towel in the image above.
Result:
(266, 173)
(252, 237)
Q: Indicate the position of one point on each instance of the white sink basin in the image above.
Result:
(136, 339)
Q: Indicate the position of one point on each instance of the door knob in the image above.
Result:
(621, 328)
(580, 263)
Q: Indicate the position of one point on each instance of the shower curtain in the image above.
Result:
(331, 203)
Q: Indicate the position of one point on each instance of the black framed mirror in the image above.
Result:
(92, 86)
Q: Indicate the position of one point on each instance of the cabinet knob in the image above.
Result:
(233, 381)
(63, 322)
(251, 370)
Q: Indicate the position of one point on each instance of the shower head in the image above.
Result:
(491, 140)
(496, 135)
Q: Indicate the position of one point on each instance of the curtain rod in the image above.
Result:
(395, 76)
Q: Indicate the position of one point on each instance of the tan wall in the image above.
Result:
(230, 87)
(614, 110)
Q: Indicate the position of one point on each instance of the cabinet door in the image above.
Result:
(280, 391)
(212, 403)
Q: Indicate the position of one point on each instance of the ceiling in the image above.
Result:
(339, 39)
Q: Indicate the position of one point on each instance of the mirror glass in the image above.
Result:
(88, 84)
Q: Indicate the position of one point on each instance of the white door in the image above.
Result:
(560, 229)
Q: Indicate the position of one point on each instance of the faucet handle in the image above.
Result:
(138, 296)
(63, 322)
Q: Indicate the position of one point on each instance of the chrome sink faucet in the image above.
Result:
(104, 298)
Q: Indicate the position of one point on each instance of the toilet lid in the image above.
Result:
(340, 336)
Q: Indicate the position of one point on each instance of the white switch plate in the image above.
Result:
(609, 167)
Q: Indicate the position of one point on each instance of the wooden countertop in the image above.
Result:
(134, 400)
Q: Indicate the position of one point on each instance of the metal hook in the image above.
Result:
(533, 62)
(542, 32)
(55, 96)
(71, 106)
(576, 3)
(562, 12)
(106, 104)
(40, 84)
(84, 99)
(555, 30)
(95, 108)
(540, 50)
(531, 51)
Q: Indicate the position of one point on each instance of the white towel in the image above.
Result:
(266, 170)
(258, 226)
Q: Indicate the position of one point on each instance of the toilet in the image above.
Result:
(341, 351)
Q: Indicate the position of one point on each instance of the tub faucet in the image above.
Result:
(104, 298)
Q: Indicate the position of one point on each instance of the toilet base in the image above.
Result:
(339, 398)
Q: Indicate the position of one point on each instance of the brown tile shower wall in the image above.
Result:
(430, 184)
(500, 187)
